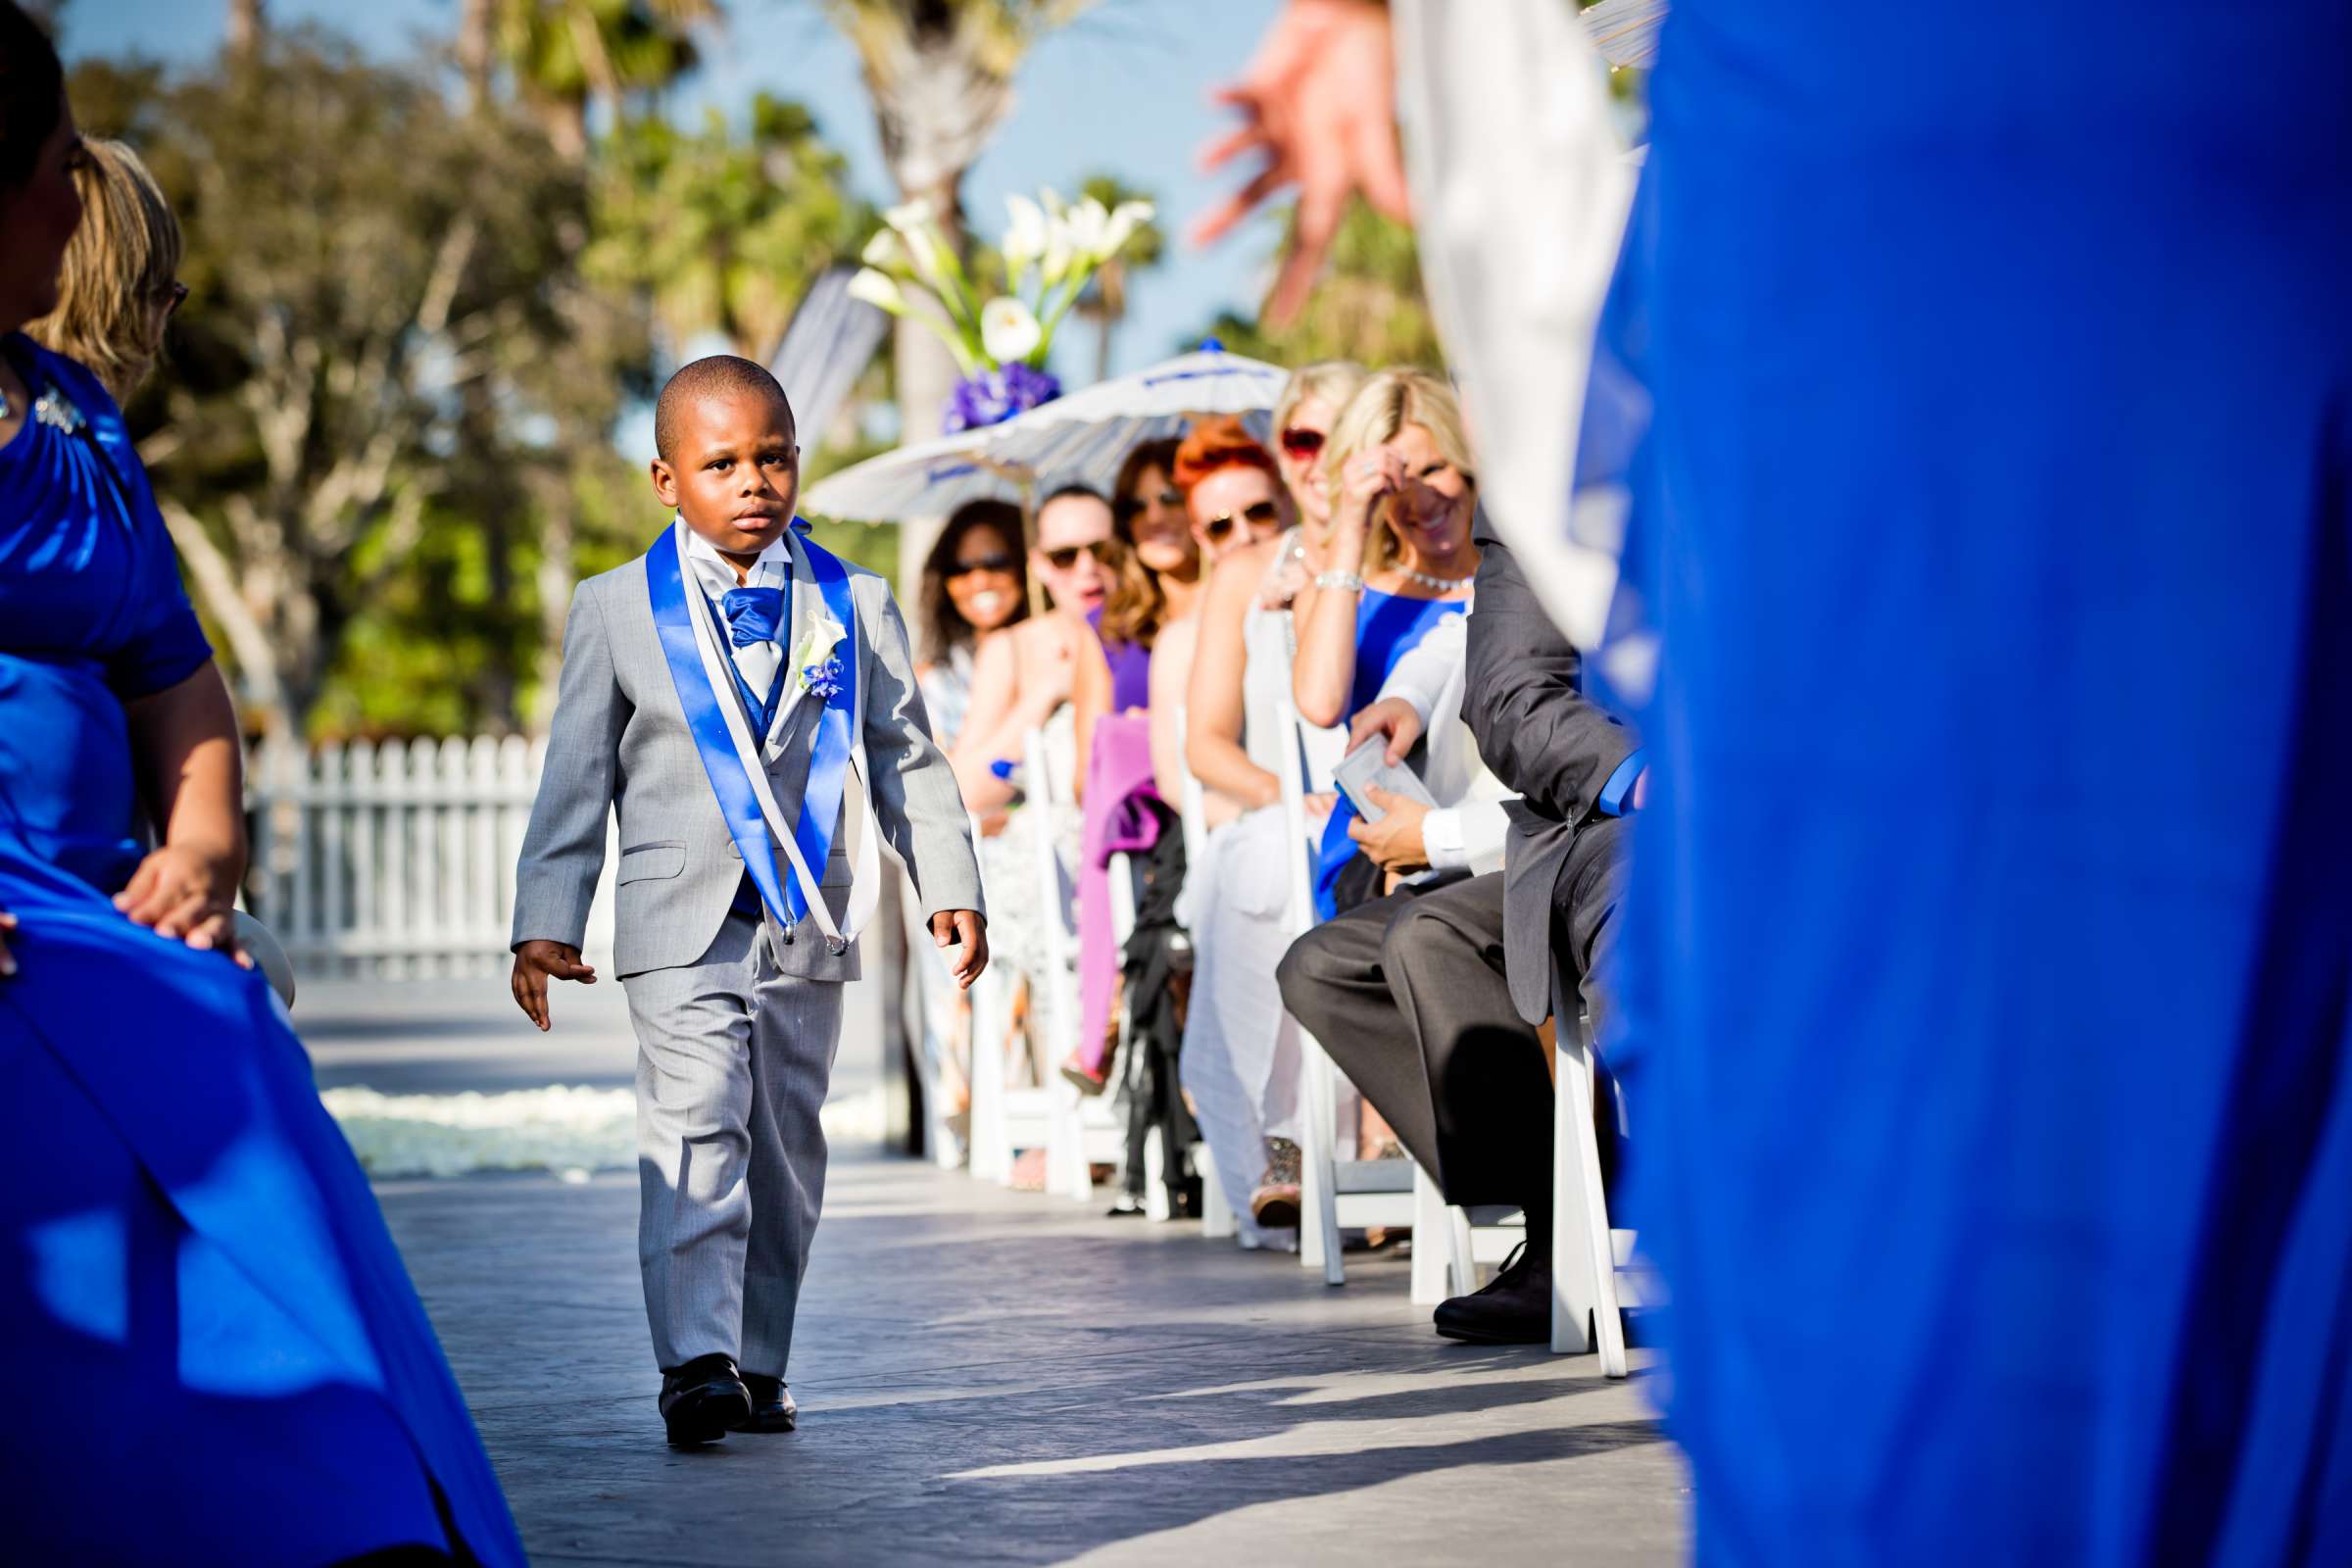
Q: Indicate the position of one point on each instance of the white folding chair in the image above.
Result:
(1590, 1277)
(1218, 1221)
(935, 999)
(1078, 1131)
(1335, 1193)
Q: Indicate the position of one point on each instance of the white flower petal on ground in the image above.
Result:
(571, 1131)
(1008, 330)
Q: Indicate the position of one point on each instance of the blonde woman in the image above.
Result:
(120, 283)
(1401, 560)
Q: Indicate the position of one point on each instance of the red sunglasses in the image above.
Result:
(1302, 444)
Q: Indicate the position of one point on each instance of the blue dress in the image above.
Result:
(1991, 927)
(1387, 626)
(212, 1351)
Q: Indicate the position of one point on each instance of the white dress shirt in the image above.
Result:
(1466, 829)
(757, 661)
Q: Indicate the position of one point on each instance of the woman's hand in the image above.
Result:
(1364, 478)
(1394, 841)
(186, 895)
(8, 960)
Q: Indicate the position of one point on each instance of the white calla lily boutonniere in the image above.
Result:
(819, 658)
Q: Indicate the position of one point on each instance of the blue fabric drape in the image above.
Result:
(1988, 948)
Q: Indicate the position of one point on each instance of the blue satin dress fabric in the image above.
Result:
(212, 1354)
(1387, 626)
(1991, 930)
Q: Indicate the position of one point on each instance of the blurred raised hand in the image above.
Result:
(1320, 103)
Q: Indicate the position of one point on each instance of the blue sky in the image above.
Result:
(1124, 89)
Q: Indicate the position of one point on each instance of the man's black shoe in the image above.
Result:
(773, 1406)
(703, 1402)
(1515, 1308)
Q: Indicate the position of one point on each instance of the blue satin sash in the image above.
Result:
(665, 587)
(830, 747)
(836, 726)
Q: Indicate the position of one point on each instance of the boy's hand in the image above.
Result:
(949, 927)
(535, 964)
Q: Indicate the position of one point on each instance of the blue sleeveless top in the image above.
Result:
(1387, 627)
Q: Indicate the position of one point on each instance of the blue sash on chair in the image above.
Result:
(724, 762)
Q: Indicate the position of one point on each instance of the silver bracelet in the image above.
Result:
(1339, 580)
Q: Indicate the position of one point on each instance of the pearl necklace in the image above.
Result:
(1441, 584)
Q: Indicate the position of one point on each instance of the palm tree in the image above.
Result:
(246, 22)
(939, 75)
(1104, 302)
(567, 54)
(722, 231)
(564, 55)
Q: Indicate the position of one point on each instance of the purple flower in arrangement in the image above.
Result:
(822, 681)
(995, 395)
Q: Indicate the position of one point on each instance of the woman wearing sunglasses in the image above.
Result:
(1145, 629)
(973, 585)
(1240, 1056)
(1401, 559)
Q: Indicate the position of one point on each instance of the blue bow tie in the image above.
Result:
(753, 614)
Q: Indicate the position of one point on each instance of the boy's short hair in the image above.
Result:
(718, 374)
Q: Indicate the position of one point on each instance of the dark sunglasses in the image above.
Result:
(1132, 506)
(1262, 513)
(998, 563)
(176, 293)
(1302, 444)
(1067, 556)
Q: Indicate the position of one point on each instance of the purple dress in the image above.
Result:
(1130, 669)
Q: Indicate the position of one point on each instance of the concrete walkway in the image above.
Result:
(984, 1376)
(993, 1376)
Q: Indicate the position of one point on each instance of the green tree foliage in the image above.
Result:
(360, 256)
(1367, 307)
(565, 54)
(722, 230)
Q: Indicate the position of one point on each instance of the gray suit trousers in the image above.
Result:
(733, 1058)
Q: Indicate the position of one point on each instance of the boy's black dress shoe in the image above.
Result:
(773, 1406)
(702, 1400)
(1515, 1308)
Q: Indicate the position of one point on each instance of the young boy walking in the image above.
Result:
(730, 693)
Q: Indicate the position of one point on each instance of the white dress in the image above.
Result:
(1239, 1060)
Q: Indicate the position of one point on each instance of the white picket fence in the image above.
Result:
(397, 860)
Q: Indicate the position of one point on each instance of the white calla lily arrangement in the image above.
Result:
(1051, 250)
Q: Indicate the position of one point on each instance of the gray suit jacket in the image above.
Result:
(621, 743)
(1537, 732)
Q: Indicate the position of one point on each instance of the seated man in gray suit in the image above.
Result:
(721, 692)
(1429, 999)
